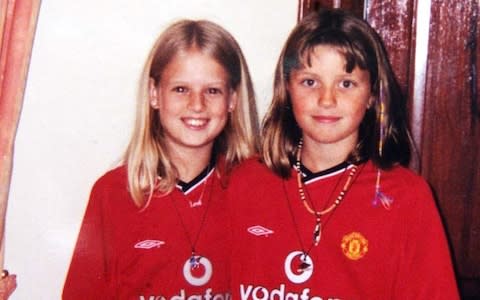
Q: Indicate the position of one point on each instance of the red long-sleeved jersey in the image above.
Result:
(365, 251)
(126, 253)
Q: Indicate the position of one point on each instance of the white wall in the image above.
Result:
(79, 108)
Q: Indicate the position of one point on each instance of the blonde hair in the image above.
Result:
(148, 163)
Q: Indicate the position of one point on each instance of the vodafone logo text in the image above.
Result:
(182, 295)
(248, 292)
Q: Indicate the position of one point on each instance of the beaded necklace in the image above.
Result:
(318, 214)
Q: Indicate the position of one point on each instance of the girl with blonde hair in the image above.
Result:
(157, 226)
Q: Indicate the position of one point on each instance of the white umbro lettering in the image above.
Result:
(259, 230)
(149, 244)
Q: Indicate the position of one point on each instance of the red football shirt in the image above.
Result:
(126, 253)
(365, 251)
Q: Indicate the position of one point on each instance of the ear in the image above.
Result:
(232, 101)
(153, 93)
(371, 102)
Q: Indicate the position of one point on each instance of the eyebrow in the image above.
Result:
(174, 81)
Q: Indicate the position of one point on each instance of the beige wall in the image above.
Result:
(78, 112)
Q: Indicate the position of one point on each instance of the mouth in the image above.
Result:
(326, 119)
(195, 123)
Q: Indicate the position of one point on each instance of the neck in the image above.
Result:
(317, 158)
(190, 163)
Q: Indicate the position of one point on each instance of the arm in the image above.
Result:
(90, 269)
(425, 270)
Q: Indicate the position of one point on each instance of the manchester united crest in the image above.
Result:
(354, 245)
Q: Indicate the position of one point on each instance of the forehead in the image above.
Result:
(327, 62)
(349, 57)
(316, 52)
(194, 64)
(193, 54)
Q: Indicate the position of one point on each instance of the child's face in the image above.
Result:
(193, 99)
(329, 103)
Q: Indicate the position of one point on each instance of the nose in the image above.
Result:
(196, 101)
(326, 97)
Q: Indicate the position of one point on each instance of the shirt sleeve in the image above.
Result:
(90, 268)
(426, 271)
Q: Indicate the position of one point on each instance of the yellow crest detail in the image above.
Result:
(354, 245)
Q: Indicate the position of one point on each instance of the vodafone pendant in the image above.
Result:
(197, 270)
(298, 267)
(303, 266)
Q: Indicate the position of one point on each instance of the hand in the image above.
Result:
(8, 283)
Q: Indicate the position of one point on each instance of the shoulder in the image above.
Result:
(407, 187)
(113, 179)
(253, 175)
(252, 167)
(110, 192)
(398, 176)
(406, 178)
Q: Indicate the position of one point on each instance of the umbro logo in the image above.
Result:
(149, 244)
(259, 230)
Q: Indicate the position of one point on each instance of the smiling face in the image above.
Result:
(328, 102)
(192, 98)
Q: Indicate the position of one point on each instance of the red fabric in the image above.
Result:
(399, 253)
(108, 262)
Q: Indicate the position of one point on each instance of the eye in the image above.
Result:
(346, 84)
(214, 91)
(308, 82)
(180, 89)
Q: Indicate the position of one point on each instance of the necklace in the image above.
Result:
(306, 262)
(195, 260)
(198, 201)
(310, 207)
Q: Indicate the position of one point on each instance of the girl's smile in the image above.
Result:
(193, 99)
(195, 123)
